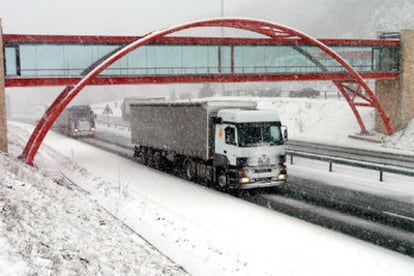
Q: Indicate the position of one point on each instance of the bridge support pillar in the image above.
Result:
(3, 119)
(397, 96)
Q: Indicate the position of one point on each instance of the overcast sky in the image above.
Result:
(123, 17)
(321, 18)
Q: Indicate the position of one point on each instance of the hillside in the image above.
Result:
(49, 226)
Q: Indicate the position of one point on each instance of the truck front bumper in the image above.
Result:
(83, 133)
(260, 184)
(248, 183)
(254, 178)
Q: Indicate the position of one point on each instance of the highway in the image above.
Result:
(384, 221)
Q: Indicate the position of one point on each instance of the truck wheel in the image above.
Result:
(222, 180)
(144, 158)
(189, 170)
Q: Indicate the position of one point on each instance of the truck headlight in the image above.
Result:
(244, 180)
(282, 177)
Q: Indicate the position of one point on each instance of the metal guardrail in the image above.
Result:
(355, 163)
(111, 120)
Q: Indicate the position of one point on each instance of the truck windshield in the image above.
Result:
(259, 134)
(82, 113)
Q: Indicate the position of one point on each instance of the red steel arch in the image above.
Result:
(269, 29)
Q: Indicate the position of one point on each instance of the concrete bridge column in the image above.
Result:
(397, 96)
(3, 119)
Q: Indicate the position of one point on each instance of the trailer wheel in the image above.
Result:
(189, 170)
(144, 156)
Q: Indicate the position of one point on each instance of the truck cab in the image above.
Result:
(249, 149)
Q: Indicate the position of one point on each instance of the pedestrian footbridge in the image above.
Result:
(261, 51)
(33, 60)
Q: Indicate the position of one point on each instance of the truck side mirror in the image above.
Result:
(285, 133)
(218, 120)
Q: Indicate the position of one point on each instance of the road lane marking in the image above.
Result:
(399, 216)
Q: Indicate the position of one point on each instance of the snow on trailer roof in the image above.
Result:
(251, 116)
(214, 103)
(147, 99)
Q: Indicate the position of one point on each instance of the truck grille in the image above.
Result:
(263, 170)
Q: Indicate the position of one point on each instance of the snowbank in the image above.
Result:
(49, 226)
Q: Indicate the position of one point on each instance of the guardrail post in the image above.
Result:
(291, 159)
(330, 166)
(381, 176)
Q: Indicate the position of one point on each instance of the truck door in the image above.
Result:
(226, 142)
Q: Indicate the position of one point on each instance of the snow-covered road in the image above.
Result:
(211, 233)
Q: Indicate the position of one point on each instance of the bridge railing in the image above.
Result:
(211, 70)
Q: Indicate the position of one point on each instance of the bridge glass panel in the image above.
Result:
(225, 61)
(170, 60)
(11, 61)
(281, 60)
(387, 59)
(360, 58)
(53, 60)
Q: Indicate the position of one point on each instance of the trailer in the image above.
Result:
(231, 144)
(125, 109)
(76, 121)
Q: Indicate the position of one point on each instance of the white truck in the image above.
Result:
(76, 121)
(228, 143)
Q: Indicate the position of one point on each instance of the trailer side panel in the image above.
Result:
(178, 128)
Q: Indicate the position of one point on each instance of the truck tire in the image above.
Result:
(189, 170)
(143, 154)
(222, 180)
